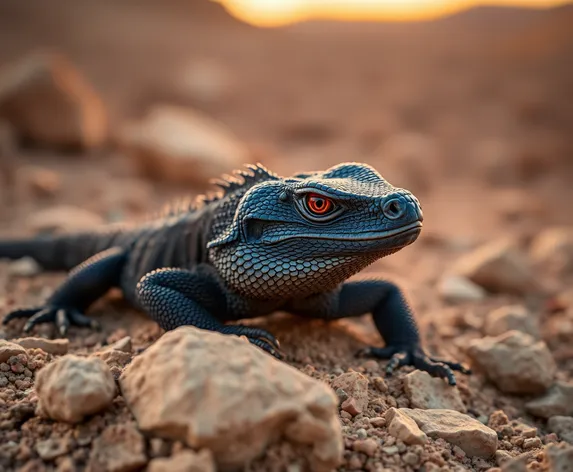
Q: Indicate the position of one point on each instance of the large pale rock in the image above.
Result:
(557, 401)
(184, 461)
(427, 392)
(404, 428)
(73, 387)
(120, 448)
(221, 393)
(9, 349)
(515, 362)
(181, 145)
(508, 318)
(499, 267)
(474, 438)
(553, 250)
(355, 385)
(562, 426)
(46, 100)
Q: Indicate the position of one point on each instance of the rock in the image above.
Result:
(457, 289)
(120, 448)
(182, 146)
(113, 357)
(508, 318)
(252, 399)
(559, 457)
(73, 387)
(557, 401)
(356, 387)
(515, 362)
(49, 449)
(48, 102)
(368, 446)
(56, 347)
(516, 464)
(500, 268)
(474, 438)
(124, 344)
(24, 267)
(552, 250)
(562, 426)
(61, 219)
(9, 349)
(184, 461)
(427, 392)
(404, 428)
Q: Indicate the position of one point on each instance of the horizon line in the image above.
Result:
(348, 14)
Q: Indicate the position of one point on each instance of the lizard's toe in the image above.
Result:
(453, 365)
(415, 356)
(63, 318)
(252, 332)
(42, 316)
(83, 321)
(397, 360)
(266, 347)
(23, 313)
(437, 369)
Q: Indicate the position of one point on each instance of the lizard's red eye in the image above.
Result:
(318, 204)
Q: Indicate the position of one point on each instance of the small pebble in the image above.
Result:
(532, 443)
(411, 458)
(367, 446)
(390, 450)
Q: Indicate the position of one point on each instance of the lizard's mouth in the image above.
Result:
(409, 229)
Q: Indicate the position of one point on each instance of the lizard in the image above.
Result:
(262, 243)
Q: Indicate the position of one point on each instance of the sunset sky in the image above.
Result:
(277, 12)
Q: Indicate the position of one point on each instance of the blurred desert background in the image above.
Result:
(110, 109)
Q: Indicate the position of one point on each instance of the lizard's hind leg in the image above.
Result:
(176, 297)
(84, 285)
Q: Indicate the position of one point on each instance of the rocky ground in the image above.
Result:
(472, 113)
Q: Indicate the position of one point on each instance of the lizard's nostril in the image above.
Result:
(394, 209)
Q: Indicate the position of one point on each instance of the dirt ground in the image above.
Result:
(473, 113)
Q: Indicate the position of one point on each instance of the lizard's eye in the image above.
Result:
(319, 205)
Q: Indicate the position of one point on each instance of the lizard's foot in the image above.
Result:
(62, 317)
(415, 356)
(257, 336)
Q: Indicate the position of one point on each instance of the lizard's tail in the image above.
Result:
(57, 252)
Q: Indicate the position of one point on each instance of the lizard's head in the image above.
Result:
(306, 234)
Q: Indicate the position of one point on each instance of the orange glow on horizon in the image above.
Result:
(268, 13)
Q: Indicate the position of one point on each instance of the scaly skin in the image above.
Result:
(267, 243)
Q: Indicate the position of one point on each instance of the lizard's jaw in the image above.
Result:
(395, 235)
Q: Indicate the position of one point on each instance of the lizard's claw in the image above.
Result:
(257, 336)
(62, 317)
(400, 356)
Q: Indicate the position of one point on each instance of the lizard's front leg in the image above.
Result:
(393, 318)
(177, 297)
(85, 284)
